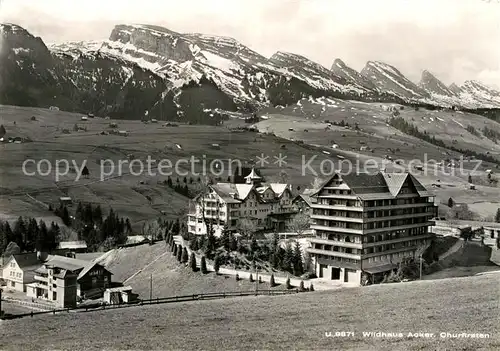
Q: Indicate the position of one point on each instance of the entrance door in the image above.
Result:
(335, 273)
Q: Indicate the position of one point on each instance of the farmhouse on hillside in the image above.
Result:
(365, 224)
(267, 205)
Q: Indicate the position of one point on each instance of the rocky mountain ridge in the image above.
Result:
(145, 70)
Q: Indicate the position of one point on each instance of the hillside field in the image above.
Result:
(143, 197)
(469, 305)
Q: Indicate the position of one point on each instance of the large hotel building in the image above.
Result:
(368, 223)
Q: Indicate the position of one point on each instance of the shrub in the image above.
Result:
(287, 283)
(237, 277)
(311, 288)
(175, 250)
(185, 256)
(260, 279)
(192, 262)
(251, 278)
(301, 286)
(272, 283)
(203, 265)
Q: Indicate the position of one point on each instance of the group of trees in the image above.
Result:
(99, 231)
(408, 128)
(491, 134)
(182, 189)
(29, 235)
(230, 250)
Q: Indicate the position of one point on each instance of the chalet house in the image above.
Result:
(91, 277)
(19, 270)
(224, 205)
(303, 202)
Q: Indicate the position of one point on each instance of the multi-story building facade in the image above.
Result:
(224, 205)
(368, 224)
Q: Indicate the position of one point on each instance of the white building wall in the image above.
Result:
(13, 275)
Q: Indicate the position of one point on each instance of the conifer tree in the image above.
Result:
(203, 265)
(185, 255)
(287, 283)
(298, 266)
(179, 253)
(217, 264)
(192, 262)
(272, 283)
(497, 216)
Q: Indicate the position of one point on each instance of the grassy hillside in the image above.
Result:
(135, 265)
(139, 197)
(300, 321)
(145, 197)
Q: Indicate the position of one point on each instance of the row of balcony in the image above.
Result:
(370, 231)
(372, 219)
(360, 257)
(355, 245)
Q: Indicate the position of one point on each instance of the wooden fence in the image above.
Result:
(160, 300)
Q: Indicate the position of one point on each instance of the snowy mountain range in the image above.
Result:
(149, 70)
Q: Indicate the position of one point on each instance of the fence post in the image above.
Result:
(54, 311)
(31, 314)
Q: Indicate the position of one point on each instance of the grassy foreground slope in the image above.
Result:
(469, 305)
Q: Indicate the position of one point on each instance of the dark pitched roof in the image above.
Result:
(377, 186)
(25, 260)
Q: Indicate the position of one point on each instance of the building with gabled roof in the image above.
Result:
(90, 278)
(224, 205)
(366, 224)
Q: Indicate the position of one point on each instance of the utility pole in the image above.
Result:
(256, 277)
(151, 287)
(420, 266)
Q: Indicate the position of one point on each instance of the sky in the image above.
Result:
(456, 40)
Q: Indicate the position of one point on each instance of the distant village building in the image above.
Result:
(54, 108)
(65, 201)
(365, 224)
(73, 246)
(267, 205)
(84, 118)
(123, 133)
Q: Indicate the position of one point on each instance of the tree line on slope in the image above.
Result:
(29, 235)
(406, 127)
(98, 231)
